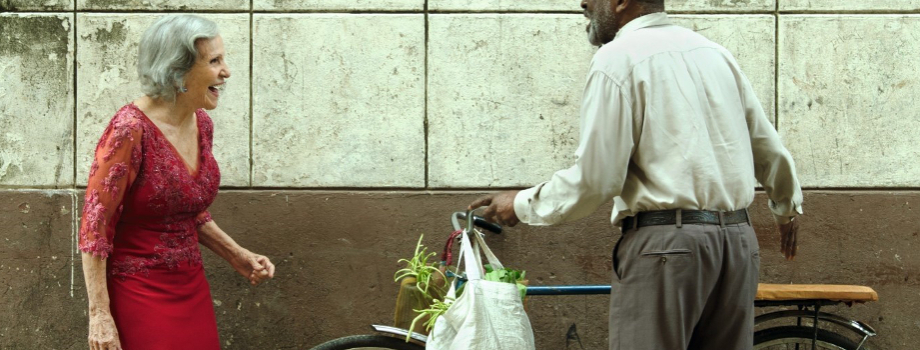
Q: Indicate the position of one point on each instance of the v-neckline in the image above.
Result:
(191, 171)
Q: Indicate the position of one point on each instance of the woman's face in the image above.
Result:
(205, 81)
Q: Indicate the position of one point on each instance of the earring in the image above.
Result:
(183, 89)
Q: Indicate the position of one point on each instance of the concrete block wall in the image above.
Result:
(350, 127)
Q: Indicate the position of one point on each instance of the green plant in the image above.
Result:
(426, 273)
(429, 285)
(437, 308)
(419, 268)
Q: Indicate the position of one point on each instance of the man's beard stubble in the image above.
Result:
(602, 23)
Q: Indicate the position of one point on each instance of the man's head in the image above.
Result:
(608, 16)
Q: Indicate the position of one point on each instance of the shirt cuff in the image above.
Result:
(522, 204)
(782, 220)
(782, 214)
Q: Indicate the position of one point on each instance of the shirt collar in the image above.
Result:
(649, 20)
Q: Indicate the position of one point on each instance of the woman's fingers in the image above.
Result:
(258, 276)
(255, 263)
(261, 268)
(269, 267)
(109, 344)
(103, 334)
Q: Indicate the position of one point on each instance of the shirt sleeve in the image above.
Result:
(773, 165)
(203, 218)
(602, 159)
(114, 169)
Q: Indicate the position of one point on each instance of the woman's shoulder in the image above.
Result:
(127, 123)
(128, 118)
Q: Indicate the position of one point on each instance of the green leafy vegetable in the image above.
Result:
(437, 308)
(419, 268)
(429, 282)
(508, 276)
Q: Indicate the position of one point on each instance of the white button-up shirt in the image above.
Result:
(668, 121)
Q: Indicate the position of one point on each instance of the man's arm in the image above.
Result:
(775, 170)
(606, 145)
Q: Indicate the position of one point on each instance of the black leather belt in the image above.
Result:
(685, 217)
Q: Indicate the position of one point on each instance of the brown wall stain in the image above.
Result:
(336, 253)
(36, 305)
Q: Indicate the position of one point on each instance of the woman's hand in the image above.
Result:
(256, 268)
(103, 335)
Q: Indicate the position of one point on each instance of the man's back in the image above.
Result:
(672, 132)
(688, 100)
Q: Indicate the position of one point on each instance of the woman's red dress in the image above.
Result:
(143, 206)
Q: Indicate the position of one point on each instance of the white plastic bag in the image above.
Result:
(488, 316)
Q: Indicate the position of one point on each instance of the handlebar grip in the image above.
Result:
(482, 223)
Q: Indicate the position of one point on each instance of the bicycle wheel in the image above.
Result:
(368, 342)
(800, 338)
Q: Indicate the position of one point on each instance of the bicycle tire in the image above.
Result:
(785, 337)
(368, 342)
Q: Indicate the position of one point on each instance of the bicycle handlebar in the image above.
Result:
(477, 220)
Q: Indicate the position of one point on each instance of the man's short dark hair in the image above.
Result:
(649, 6)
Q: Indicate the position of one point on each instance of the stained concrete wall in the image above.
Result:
(351, 127)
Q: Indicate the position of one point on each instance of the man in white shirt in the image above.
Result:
(672, 132)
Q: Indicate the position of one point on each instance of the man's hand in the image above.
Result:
(500, 208)
(788, 239)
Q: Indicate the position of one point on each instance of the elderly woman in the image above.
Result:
(149, 189)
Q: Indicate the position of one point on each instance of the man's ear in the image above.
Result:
(623, 5)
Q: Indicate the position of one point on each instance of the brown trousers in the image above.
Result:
(684, 288)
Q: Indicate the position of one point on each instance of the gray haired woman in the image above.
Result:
(147, 198)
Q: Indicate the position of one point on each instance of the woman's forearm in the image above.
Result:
(218, 241)
(97, 292)
(254, 267)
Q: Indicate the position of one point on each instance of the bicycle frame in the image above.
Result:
(862, 329)
(531, 290)
(857, 327)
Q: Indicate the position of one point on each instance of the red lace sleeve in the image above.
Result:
(118, 156)
(203, 218)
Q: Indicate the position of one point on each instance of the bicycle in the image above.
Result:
(809, 330)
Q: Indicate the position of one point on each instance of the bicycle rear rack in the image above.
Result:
(862, 329)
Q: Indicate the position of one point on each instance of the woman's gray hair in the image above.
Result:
(167, 52)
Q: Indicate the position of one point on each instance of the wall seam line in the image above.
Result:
(251, 92)
(776, 68)
(426, 125)
(74, 225)
(74, 222)
(384, 189)
(497, 12)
